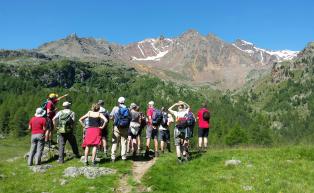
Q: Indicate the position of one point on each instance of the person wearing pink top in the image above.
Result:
(203, 117)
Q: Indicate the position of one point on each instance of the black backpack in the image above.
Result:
(206, 115)
(164, 121)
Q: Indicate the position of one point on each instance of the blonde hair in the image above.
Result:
(95, 107)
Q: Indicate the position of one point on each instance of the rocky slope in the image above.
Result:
(198, 59)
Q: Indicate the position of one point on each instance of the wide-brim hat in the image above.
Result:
(40, 112)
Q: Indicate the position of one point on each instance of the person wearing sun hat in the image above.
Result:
(64, 123)
(37, 126)
(50, 108)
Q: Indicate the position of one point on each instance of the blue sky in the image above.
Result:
(276, 24)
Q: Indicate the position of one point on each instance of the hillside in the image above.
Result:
(194, 58)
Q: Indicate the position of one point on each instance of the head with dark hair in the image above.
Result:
(204, 104)
(95, 107)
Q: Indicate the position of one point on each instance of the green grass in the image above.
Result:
(17, 177)
(288, 169)
(279, 169)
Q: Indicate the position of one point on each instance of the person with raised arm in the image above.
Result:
(181, 130)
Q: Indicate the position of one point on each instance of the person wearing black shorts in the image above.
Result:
(203, 117)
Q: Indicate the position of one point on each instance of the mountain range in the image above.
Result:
(190, 58)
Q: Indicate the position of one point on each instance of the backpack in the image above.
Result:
(106, 114)
(122, 117)
(44, 104)
(206, 115)
(190, 119)
(164, 121)
(65, 122)
(182, 122)
(157, 117)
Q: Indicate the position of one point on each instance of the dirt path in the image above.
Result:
(139, 168)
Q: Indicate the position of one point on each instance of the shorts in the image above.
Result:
(104, 133)
(49, 124)
(181, 133)
(164, 135)
(151, 132)
(203, 132)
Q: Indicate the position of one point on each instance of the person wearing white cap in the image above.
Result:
(37, 125)
(151, 130)
(121, 116)
(64, 123)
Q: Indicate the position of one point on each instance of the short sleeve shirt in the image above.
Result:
(149, 113)
(37, 125)
(201, 122)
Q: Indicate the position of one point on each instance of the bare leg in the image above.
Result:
(134, 146)
(200, 142)
(94, 153)
(205, 142)
(104, 144)
(156, 144)
(86, 153)
(138, 142)
(162, 145)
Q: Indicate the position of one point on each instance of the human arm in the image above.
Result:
(55, 118)
(82, 118)
(187, 106)
(104, 122)
(171, 108)
(62, 97)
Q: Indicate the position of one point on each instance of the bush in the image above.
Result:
(236, 136)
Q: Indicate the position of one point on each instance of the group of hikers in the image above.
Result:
(128, 124)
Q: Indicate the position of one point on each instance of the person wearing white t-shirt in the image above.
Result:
(181, 131)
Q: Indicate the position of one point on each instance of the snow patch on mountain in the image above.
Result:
(251, 49)
(156, 49)
(153, 58)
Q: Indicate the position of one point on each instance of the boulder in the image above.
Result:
(40, 168)
(88, 172)
(232, 162)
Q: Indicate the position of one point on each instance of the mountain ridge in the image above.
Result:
(202, 59)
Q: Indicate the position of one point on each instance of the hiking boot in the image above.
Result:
(156, 154)
(179, 161)
(86, 163)
(146, 154)
(94, 164)
(185, 159)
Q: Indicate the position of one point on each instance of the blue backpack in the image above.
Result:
(122, 117)
(190, 119)
(157, 117)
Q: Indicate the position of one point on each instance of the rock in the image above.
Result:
(40, 168)
(49, 153)
(232, 162)
(72, 172)
(63, 182)
(88, 172)
(149, 189)
(247, 188)
(13, 159)
(289, 161)
(97, 159)
(2, 176)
